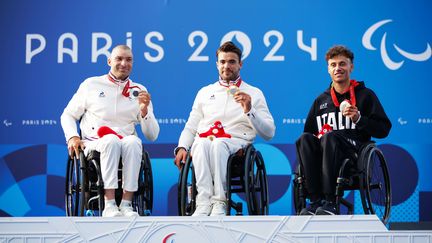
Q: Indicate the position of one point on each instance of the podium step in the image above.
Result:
(310, 229)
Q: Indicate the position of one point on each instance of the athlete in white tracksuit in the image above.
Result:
(108, 101)
(242, 115)
(99, 102)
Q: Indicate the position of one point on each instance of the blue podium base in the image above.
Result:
(311, 229)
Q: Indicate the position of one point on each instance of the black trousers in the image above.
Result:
(321, 159)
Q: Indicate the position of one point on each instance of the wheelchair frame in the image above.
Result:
(84, 194)
(245, 174)
(367, 173)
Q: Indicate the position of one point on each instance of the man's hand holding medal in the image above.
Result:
(144, 101)
(241, 97)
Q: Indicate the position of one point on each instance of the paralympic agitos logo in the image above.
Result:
(388, 62)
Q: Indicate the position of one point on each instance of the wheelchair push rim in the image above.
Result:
(143, 197)
(377, 185)
(299, 193)
(75, 182)
(256, 186)
(187, 190)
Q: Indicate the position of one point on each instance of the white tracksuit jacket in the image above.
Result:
(100, 102)
(214, 103)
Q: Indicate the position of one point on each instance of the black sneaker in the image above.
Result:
(310, 210)
(329, 208)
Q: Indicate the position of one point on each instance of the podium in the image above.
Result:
(309, 229)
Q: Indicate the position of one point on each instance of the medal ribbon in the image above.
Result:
(127, 86)
(353, 84)
(236, 82)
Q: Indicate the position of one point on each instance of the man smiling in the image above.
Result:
(108, 113)
(340, 120)
(237, 107)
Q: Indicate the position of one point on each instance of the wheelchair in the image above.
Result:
(365, 171)
(246, 174)
(84, 194)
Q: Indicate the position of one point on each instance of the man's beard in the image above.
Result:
(231, 77)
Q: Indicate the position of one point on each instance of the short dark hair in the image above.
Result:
(229, 46)
(339, 50)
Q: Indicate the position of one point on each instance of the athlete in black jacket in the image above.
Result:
(331, 133)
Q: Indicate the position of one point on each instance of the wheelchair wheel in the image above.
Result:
(143, 197)
(377, 183)
(75, 183)
(187, 189)
(299, 196)
(256, 186)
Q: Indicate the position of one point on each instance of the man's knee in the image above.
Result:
(110, 141)
(201, 145)
(132, 142)
(218, 145)
(329, 138)
(306, 138)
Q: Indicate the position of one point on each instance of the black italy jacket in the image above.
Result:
(373, 122)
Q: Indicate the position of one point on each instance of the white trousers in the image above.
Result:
(210, 162)
(111, 148)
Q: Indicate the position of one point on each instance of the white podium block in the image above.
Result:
(308, 229)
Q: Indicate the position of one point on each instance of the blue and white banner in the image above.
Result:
(50, 47)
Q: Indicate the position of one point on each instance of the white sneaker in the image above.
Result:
(219, 209)
(128, 211)
(111, 211)
(202, 210)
